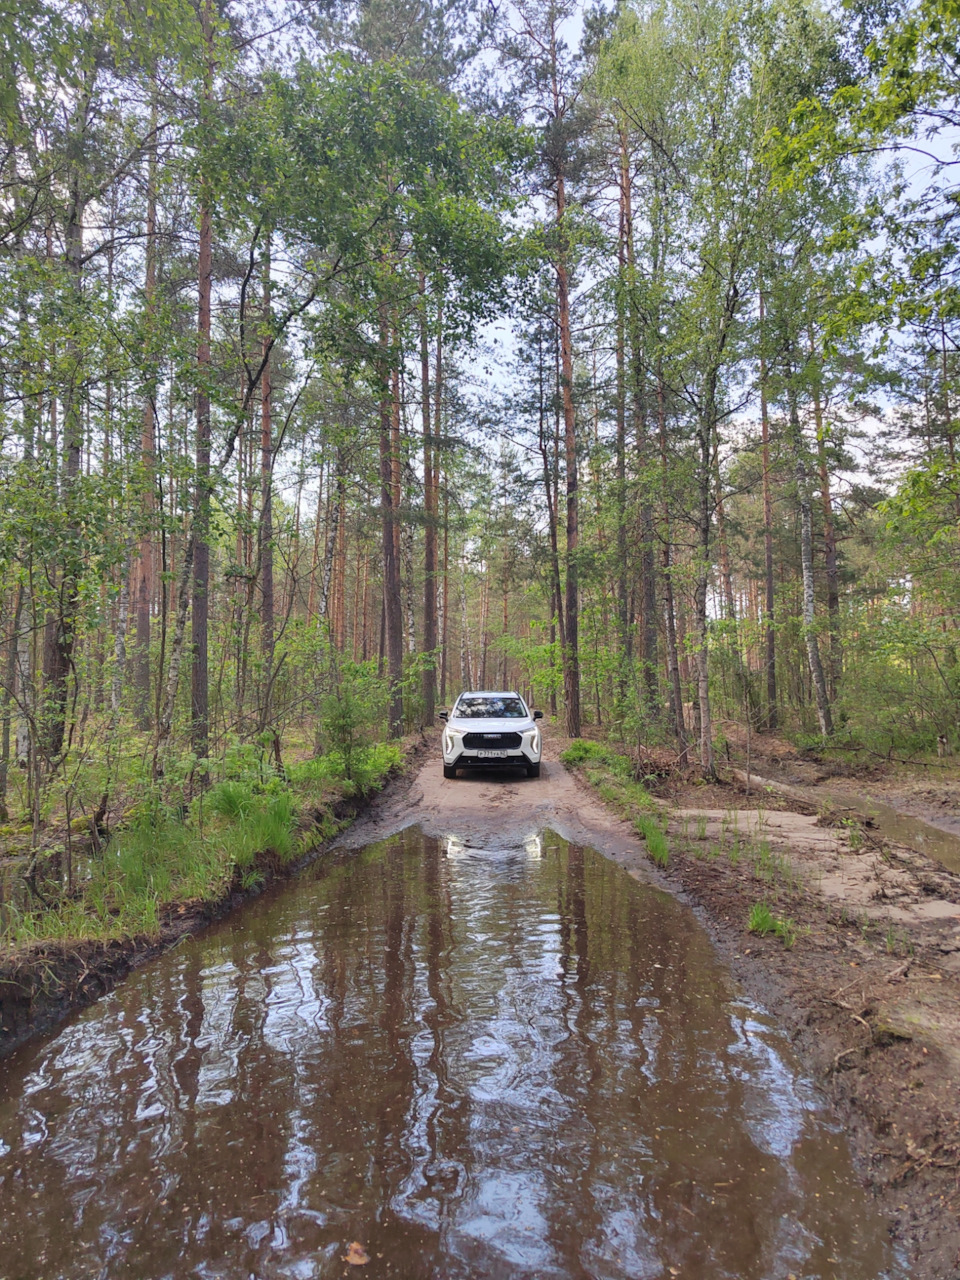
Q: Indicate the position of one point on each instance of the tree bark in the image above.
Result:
(60, 651)
(200, 692)
(389, 466)
(623, 622)
(120, 637)
(8, 695)
(430, 518)
(648, 580)
(165, 718)
(144, 567)
(552, 512)
(806, 566)
(829, 549)
(571, 626)
(267, 603)
(444, 606)
(769, 628)
(673, 661)
(705, 432)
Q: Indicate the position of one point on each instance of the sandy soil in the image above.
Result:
(871, 987)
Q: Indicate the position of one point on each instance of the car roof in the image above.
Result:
(489, 693)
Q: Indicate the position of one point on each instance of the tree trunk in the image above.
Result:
(552, 512)
(673, 662)
(571, 650)
(430, 519)
(466, 680)
(167, 706)
(8, 694)
(830, 552)
(60, 651)
(705, 434)
(648, 579)
(267, 623)
(392, 607)
(200, 692)
(144, 568)
(806, 564)
(445, 595)
(770, 641)
(120, 638)
(623, 622)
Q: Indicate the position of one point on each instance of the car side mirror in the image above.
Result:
(441, 715)
(538, 715)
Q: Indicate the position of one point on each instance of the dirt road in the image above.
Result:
(868, 992)
(502, 806)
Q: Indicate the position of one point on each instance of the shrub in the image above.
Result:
(581, 750)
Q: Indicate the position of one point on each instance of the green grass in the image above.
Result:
(762, 921)
(364, 773)
(657, 845)
(613, 777)
(165, 856)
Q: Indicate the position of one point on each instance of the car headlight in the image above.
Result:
(451, 739)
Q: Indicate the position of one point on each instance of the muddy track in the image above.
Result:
(849, 1004)
(837, 992)
(500, 805)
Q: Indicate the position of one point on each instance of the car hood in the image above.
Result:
(476, 724)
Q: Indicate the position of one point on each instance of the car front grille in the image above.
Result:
(491, 741)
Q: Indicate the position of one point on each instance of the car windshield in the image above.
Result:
(472, 707)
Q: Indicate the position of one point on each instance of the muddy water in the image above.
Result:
(472, 1062)
(939, 842)
(943, 846)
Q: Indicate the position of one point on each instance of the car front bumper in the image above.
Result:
(455, 754)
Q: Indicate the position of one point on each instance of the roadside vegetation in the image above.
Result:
(613, 777)
(166, 854)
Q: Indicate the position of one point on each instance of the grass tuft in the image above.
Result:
(762, 921)
(657, 845)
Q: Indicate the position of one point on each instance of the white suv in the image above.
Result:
(487, 729)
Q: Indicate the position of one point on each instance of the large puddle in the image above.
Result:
(472, 1062)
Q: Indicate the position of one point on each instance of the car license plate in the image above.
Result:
(492, 755)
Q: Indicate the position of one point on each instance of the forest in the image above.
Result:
(352, 354)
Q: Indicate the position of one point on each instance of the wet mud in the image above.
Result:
(435, 1055)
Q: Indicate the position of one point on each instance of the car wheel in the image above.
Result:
(533, 770)
(449, 770)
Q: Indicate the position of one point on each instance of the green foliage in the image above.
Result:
(231, 799)
(344, 724)
(582, 749)
(762, 921)
(368, 769)
(656, 839)
(613, 777)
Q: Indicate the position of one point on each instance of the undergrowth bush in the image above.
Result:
(174, 849)
(364, 772)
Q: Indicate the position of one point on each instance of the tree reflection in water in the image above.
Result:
(502, 1062)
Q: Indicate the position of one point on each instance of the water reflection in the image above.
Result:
(476, 1062)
